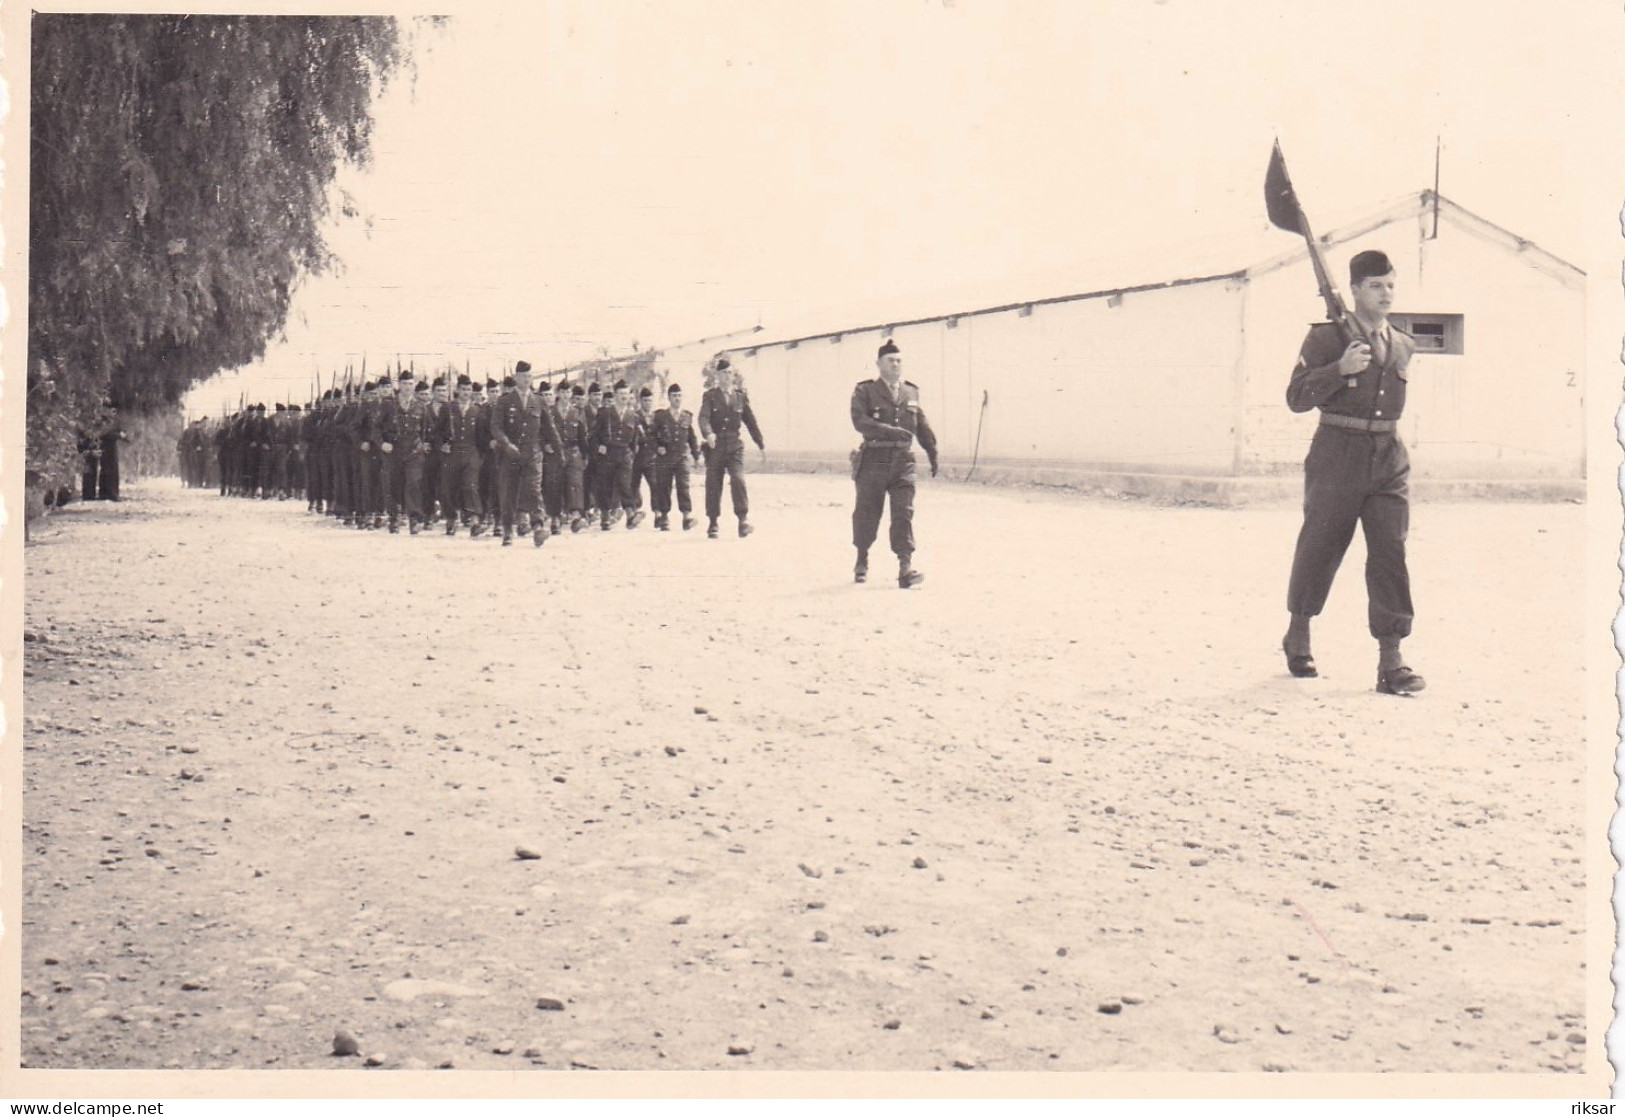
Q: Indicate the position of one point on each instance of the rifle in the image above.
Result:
(1285, 212)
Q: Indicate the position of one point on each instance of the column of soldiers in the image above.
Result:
(195, 449)
(510, 459)
(255, 454)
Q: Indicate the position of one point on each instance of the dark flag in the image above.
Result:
(1285, 212)
(1280, 200)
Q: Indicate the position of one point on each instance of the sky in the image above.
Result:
(562, 178)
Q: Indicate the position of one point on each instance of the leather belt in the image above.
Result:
(1349, 422)
(887, 445)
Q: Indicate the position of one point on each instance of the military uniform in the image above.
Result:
(722, 413)
(458, 437)
(576, 453)
(1357, 472)
(615, 440)
(675, 445)
(890, 422)
(521, 426)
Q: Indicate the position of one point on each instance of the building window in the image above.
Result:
(1434, 333)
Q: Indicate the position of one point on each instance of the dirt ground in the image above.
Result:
(1059, 808)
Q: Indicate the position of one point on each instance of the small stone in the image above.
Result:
(892, 1025)
(820, 936)
(150, 852)
(344, 1043)
(787, 972)
(1282, 1029)
(549, 1004)
(1045, 760)
(558, 779)
(679, 921)
(189, 749)
(1060, 952)
(1198, 862)
(375, 1060)
(740, 1048)
(701, 710)
(1132, 998)
(525, 853)
(919, 862)
(194, 985)
(670, 751)
(964, 1064)
(1109, 1008)
(807, 870)
(502, 1049)
(1576, 1039)
(1225, 1034)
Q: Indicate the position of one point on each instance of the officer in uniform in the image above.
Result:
(1357, 472)
(723, 409)
(675, 444)
(887, 412)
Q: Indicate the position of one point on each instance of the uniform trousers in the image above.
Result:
(669, 471)
(885, 471)
(553, 484)
(1354, 477)
(617, 481)
(574, 495)
(460, 485)
(726, 458)
(519, 485)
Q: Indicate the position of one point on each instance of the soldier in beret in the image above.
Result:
(1357, 473)
(575, 439)
(488, 463)
(458, 434)
(643, 470)
(887, 412)
(591, 480)
(723, 410)
(432, 459)
(522, 427)
(616, 439)
(675, 445)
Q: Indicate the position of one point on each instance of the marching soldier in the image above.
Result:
(722, 411)
(553, 458)
(886, 411)
(574, 443)
(488, 462)
(643, 470)
(432, 411)
(616, 440)
(1357, 472)
(675, 445)
(458, 436)
(521, 428)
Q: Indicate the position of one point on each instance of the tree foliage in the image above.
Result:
(182, 172)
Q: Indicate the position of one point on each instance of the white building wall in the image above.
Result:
(1148, 384)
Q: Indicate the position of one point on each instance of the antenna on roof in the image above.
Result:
(1438, 146)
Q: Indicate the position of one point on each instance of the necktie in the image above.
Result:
(1379, 347)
